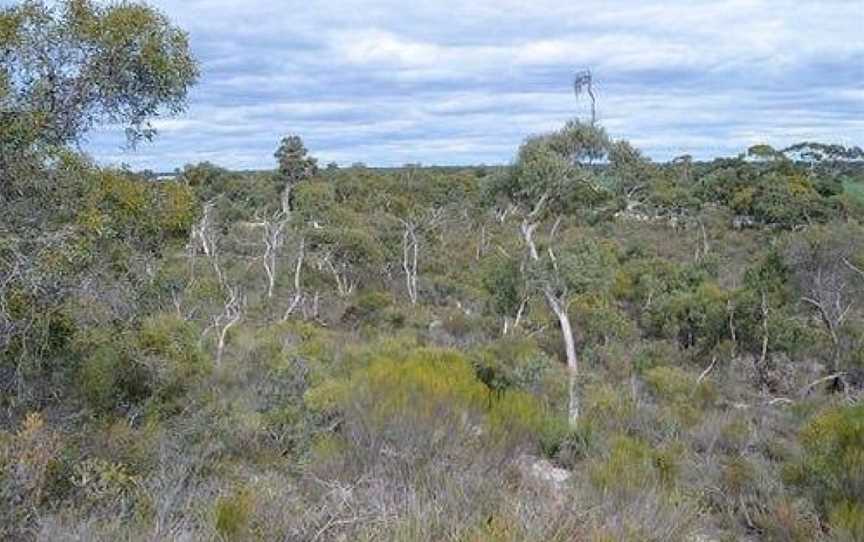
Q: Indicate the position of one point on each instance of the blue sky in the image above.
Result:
(455, 82)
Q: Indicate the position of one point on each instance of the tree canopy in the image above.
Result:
(67, 66)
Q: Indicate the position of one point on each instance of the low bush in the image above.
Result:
(831, 467)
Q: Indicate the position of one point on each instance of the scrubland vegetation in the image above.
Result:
(583, 345)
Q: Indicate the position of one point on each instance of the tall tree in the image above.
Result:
(70, 229)
(295, 165)
(67, 66)
(551, 179)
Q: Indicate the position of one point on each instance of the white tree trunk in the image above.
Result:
(298, 292)
(559, 307)
(560, 311)
(273, 239)
(230, 316)
(410, 254)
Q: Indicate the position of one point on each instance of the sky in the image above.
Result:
(390, 82)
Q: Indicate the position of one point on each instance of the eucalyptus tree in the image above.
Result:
(70, 65)
(630, 175)
(295, 165)
(70, 229)
(551, 180)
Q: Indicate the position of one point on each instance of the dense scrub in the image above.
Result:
(583, 345)
(366, 394)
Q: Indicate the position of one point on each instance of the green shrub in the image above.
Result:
(679, 391)
(607, 406)
(568, 445)
(831, 469)
(100, 480)
(515, 362)
(655, 354)
(846, 520)
(233, 513)
(108, 377)
(368, 308)
(168, 347)
(98, 377)
(633, 465)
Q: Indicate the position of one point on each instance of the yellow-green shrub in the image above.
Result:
(233, 513)
(517, 414)
(680, 391)
(169, 349)
(607, 406)
(422, 385)
(831, 469)
(633, 464)
(847, 521)
(428, 391)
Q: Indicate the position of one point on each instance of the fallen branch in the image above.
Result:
(815, 383)
(707, 370)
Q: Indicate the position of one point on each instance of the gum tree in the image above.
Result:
(68, 66)
(553, 179)
(70, 228)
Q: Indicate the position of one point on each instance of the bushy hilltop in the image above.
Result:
(382, 354)
(582, 345)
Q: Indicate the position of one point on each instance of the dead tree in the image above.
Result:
(341, 272)
(298, 291)
(412, 230)
(204, 234)
(583, 81)
(273, 238)
(410, 249)
(821, 261)
(228, 318)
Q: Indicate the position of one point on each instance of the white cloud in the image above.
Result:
(447, 81)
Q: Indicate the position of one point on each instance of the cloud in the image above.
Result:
(464, 82)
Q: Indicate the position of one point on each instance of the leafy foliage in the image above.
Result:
(368, 353)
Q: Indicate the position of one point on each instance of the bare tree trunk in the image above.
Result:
(410, 251)
(286, 200)
(315, 305)
(761, 368)
(298, 292)
(528, 235)
(521, 311)
(570, 348)
(518, 319)
(702, 245)
(481, 245)
(559, 307)
(344, 285)
(229, 318)
(272, 238)
(730, 309)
